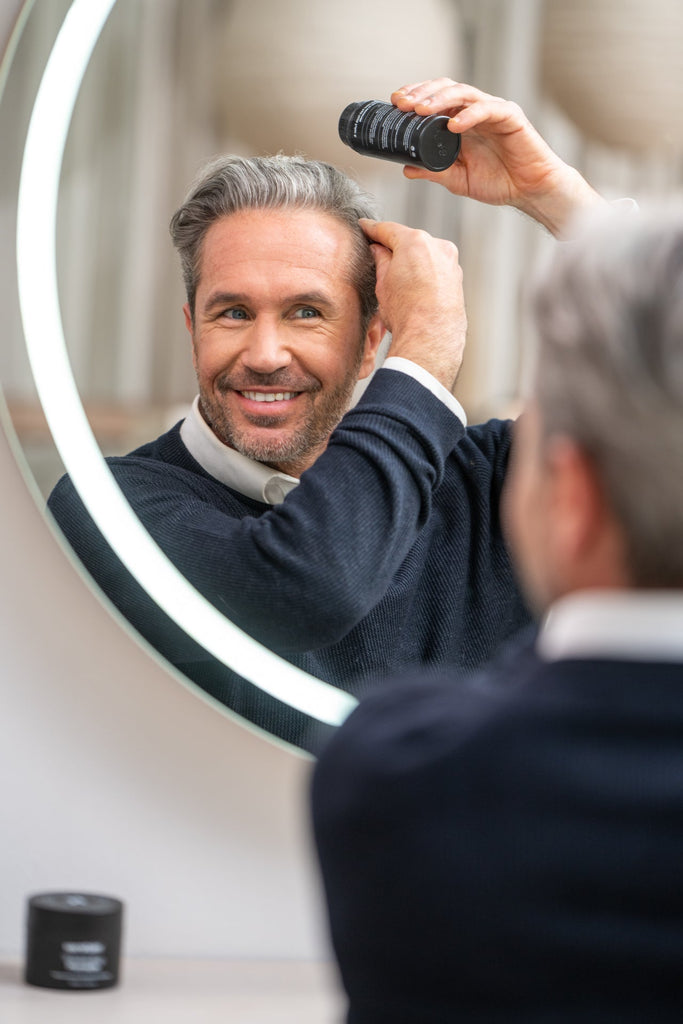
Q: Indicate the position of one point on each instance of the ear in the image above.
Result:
(586, 539)
(190, 327)
(373, 340)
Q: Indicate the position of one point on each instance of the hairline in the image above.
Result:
(230, 184)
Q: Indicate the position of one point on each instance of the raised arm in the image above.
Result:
(503, 160)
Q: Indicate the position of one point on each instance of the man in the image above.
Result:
(338, 548)
(510, 849)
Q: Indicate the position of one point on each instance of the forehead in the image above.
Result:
(279, 244)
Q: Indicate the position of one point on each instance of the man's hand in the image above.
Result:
(420, 295)
(503, 159)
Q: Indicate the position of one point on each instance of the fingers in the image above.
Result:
(387, 237)
(411, 248)
(437, 95)
(381, 251)
(413, 172)
(377, 230)
(392, 235)
(466, 106)
(503, 159)
(385, 232)
(419, 291)
(491, 111)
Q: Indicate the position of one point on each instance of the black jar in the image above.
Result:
(382, 130)
(73, 940)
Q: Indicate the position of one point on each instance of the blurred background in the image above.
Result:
(173, 83)
(119, 778)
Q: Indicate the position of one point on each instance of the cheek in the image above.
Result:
(330, 361)
(210, 358)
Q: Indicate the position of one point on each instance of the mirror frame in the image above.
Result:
(47, 352)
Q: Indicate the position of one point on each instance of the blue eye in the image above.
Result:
(307, 313)
(235, 314)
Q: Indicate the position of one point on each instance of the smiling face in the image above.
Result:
(276, 335)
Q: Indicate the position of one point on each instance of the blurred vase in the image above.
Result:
(615, 68)
(287, 70)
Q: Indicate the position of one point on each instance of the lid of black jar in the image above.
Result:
(75, 903)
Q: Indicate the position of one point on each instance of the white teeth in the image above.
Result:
(262, 396)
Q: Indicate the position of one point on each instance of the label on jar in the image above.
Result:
(84, 964)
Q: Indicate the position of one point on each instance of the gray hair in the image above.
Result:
(230, 184)
(609, 375)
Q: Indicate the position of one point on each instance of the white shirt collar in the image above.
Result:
(636, 625)
(260, 482)
(243, 474)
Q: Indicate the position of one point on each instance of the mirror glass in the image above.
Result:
(167, 86)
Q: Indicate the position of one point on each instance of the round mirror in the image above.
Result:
(107, 111)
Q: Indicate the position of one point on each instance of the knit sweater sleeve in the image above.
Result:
(300, 575)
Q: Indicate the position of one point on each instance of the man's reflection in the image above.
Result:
(352, 543)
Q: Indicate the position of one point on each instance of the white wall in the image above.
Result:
(118, 778)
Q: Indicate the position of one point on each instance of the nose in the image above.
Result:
(266, 350)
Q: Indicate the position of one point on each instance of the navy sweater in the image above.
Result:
(510, 851)
(389, 552)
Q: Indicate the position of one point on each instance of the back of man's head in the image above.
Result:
(233, 184)
(609, 375)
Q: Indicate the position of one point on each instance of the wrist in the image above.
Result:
(437, 347)
(428, 380)
(560, 204)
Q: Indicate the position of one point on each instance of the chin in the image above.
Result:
(267, 450)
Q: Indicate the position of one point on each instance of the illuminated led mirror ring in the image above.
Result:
(48, 357)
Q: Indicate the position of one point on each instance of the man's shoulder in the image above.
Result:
(409, 725)
(168, 448)
(434, 730)
(165, 455)
(161, 469)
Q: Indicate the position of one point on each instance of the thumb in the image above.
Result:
(412, 172)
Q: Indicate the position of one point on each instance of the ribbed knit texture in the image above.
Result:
(388, 553)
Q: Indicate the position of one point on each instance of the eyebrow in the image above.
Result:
(222, 298)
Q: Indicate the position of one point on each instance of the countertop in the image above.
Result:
(168, 991)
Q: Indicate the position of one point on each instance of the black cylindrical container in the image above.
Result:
(73, 940)
(382, 130)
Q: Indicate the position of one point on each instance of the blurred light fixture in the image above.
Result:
(314, 58)
(614, 67)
